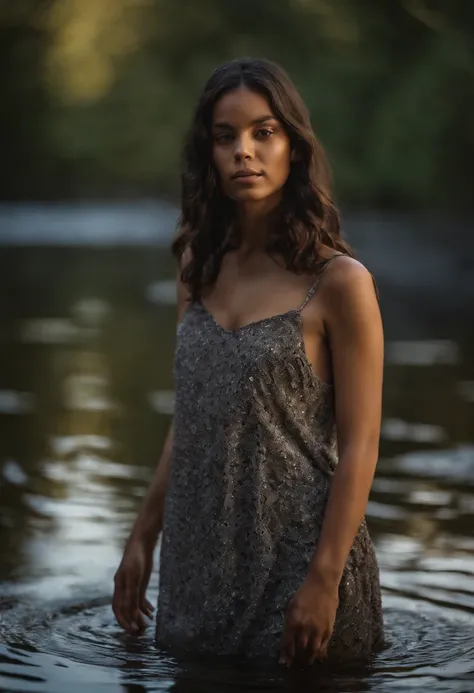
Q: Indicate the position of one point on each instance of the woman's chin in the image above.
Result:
(250, 196)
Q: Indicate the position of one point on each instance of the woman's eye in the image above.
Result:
(265, 133)
(225, 137)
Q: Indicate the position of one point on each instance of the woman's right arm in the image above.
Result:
(129, 602)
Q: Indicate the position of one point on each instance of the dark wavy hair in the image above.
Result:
(308, 217)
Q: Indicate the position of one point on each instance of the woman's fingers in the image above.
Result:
(139, 620)
(324, 648)
(117, 604)
(317, 648)
(302, 640)
(307, 647)
(130, 611)
(146, 607)
(127, 609)
(303, 645)
(149, 605)
(130, 602)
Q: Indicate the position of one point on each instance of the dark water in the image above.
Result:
(85, 400)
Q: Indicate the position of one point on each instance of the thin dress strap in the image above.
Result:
(315, 285)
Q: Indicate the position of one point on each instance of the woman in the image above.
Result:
(264, 479)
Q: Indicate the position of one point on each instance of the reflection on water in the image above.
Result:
(398, 429)
(427, 352)
(85, 400)
(12, 402)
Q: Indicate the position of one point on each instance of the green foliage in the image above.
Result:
(389, 86)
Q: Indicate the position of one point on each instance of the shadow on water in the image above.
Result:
(85, 402)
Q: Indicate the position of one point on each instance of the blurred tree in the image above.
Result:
(389, 85)
(23, 101)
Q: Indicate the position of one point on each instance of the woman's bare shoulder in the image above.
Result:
(345, 275)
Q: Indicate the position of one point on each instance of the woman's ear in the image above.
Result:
(294, 156)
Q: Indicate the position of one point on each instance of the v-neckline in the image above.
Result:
(241, 328)
(270, 318)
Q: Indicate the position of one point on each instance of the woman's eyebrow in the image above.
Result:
(258, 121)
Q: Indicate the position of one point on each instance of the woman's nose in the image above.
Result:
(243, 148)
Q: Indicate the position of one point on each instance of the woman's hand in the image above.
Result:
(309, 622)
(129, 602)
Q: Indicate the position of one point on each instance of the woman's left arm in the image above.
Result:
(354, 330)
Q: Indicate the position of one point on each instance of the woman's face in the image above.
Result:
(251, 150)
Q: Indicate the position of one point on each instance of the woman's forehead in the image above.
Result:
(241, 106)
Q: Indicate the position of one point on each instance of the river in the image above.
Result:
(86, 396)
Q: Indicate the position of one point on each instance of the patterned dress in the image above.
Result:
(253, 455)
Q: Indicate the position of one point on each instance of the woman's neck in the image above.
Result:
(254, 228)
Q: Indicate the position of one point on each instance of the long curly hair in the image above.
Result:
(307, 217)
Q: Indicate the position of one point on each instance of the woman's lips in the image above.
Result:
(247, 177)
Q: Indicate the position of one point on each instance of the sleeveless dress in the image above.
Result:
(253, 455)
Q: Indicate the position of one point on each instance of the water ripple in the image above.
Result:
(424, 647)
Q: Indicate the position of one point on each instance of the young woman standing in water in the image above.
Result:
(263, 483)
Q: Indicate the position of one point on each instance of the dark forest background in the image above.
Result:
(96, 94)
